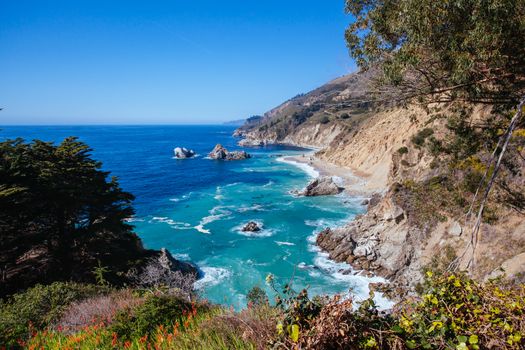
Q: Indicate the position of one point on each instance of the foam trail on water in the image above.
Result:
(284, 243)
(310, 170)
(212, 276)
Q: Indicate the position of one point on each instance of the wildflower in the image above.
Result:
(114, 340)
(127, 344)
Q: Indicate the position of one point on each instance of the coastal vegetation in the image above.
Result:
(75, 276)
(451, 312)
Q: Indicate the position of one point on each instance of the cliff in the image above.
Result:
(414, 220)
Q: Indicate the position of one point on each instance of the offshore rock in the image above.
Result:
(183, 153)
(221, 153)
(252, 226)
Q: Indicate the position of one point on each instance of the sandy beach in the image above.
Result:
(353, 184)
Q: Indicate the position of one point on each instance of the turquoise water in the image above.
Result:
(197, 207)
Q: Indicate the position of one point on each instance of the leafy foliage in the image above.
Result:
(419, 138)
(156, 310)
(452, 312)
(466, 49)
(256, 296)
(60, 215)
(38, 307)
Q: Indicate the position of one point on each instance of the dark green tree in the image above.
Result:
(443, 50)
(463, 52)
(60, 214)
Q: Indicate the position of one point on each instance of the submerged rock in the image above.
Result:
(322, 186)
(183, 153)
(221, 153)
(252, 226)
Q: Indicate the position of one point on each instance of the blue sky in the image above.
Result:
(178, 61)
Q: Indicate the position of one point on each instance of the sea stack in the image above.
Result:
(183, 153)
(221, 153)
(252, 226)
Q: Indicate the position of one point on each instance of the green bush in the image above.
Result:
(157, 310)
(419, 138)
(402, 150)
(257, 297)
(324, 120)
(38, 307)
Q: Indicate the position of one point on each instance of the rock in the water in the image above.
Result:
(183, 153)
(252, 226)
(221, 153)
(322, 186)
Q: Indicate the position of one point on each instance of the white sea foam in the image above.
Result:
(181, 256)
(358, 283)
(307, 168)
(324, 223)
(216, 213)
(212, 276)
(177, 225)
(255, 207)
(182, 198)
(218, 193)
(201, 229)
(263, 232)
(268, 184)
(134, 219)
(284, 243)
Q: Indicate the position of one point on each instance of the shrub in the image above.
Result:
(457, 312)
(324, 120)
(419, 138)
(256, 296)
(156, 310)
(338, 326)
(452, 312)
(98, 309)
(38, 307)
(210, 329)
(298, 310)
(402, 150)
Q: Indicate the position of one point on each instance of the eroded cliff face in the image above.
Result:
(394, 238)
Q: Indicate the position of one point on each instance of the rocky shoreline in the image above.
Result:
(375, 243)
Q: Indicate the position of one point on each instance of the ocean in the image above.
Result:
(196, 207)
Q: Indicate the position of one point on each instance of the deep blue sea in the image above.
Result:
(196, 207)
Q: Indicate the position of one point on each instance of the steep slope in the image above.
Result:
(313, 119)
(413, 221)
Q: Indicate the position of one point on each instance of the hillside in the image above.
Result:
(419, 219)
(314, 118)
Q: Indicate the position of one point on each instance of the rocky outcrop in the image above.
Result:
(221, 153)
(162, 269)
(183, 153)
(321, 186)
(380, 241)
(397, 236)
(252, 226)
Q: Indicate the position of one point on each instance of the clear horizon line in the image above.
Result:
(123, 124)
